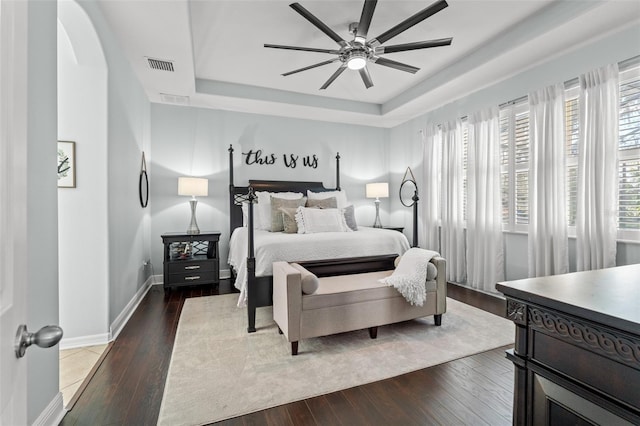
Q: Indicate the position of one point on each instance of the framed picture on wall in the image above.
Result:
(66, 164)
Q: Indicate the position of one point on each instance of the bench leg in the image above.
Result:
(294, 348)
(438, 319)
(373, 332)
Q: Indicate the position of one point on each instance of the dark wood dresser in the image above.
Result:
(577, 347)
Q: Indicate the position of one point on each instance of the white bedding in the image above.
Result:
(270, 247)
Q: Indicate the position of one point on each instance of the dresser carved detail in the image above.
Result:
(516, 312)
(615, 346)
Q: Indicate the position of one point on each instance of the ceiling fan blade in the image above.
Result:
(409, 22)
(305, 49)
(310, 67)
(365, 20)
(318, 23)
(334, 76)
(394, 64)
(413, 46)
(366, 78)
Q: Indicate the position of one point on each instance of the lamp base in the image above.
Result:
(377, 223)
(193, 226)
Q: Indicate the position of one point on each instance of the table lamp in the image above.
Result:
(193, 187)
(377, 191)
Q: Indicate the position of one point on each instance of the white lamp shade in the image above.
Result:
(377, 190)
(193, 186)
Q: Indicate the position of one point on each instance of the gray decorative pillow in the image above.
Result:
(350, 217)
(324, 203)
(277, 225)
(289, 219)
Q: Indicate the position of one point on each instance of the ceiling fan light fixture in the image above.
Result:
(356, 54)
(356, 60)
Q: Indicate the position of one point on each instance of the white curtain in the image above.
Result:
(485, 252)
(452, 234)
(596, 215)
(429, 189)
(548, 244)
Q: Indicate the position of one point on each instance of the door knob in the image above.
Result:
(46, 337)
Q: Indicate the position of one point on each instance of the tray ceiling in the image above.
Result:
(218, 59)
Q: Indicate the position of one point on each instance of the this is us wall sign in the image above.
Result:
(257, 157)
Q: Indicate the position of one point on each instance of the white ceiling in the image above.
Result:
(220, 62)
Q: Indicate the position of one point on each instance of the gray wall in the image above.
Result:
(42, 199)
(615, 47)
(83, 210)
(190, 141)
(128, 135)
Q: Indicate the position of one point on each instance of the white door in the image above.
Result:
(13, 207)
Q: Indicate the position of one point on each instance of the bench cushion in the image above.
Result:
(349, 289)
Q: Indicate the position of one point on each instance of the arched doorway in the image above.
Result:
(82, 210)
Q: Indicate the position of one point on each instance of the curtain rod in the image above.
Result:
(622, 65)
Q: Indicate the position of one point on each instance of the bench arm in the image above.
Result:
(287, 299)
(441, 284)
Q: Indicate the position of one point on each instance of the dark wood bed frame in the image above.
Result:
(260, 289)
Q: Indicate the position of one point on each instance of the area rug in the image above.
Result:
(219, 371)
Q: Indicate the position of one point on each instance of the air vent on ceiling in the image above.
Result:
(159, 64)
(174, 99)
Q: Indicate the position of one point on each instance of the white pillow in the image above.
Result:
(310, 220)
(341, 197)
(245, 216)
(262, 210)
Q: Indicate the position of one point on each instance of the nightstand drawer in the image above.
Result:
(191, 266)
(193, 278)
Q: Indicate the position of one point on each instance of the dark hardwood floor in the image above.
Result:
(127, 386)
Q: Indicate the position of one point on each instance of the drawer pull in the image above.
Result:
(196, 277)
(192, 267)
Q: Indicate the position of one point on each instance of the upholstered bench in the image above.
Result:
(307, 306)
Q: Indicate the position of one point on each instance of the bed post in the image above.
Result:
(415, 218)
(251, 267)
(338, 171)
(231, 188)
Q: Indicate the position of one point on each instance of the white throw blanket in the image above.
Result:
(410, 276)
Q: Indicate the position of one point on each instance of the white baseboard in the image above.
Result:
(225, 273)
(80, 342)
(116, 327)
(53, 413)
(119, 323)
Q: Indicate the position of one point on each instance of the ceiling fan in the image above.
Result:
(357, 53)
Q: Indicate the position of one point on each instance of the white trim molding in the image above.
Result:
(83, 341)
(118, 324)
(53, 413)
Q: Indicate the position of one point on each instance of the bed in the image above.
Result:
(252, 251)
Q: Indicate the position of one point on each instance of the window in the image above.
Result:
(629, 156)
(514, 157)
(465, 156)
(514, 152)
(572, 134)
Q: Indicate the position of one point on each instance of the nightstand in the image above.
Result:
(395, 228)
(191, 259)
